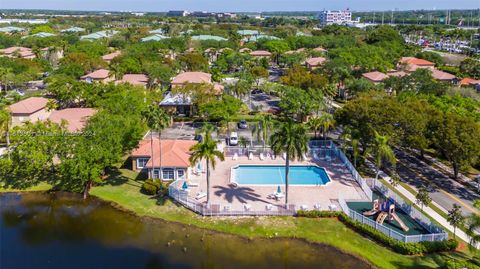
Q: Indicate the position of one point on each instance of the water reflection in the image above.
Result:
(62, 231)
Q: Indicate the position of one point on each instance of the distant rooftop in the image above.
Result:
(155, 37)
(99, 35)
(73, 30)
(208, 37)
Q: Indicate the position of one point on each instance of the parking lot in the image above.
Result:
(187, 131)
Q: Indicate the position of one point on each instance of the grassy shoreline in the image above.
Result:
(124, 192)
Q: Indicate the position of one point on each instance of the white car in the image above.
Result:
(233, 141)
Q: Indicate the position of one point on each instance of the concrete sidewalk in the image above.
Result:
(426, 209)
(437, 217)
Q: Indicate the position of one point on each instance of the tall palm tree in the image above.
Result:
(327, 122)
(207, 150)
(5, 121)
(383, 153)
(150, 116)
(291, 139)
(314, 124)
(161, 121)
(117, 71)
(262, 129)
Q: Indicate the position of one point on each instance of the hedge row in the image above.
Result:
(152, 187)
(398, 246)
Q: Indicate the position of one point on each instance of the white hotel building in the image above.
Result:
(328, 17)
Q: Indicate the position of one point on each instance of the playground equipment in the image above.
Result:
(385, 210)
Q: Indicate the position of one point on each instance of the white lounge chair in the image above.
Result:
(279, 195)
(269, 207)
(304, 207)
(284, 156)
(274, 156)
(250, 156)
(247, 207)
(201, 195)
(193, 184)
(235, 157)
(262, 157)
(317, 206)
(332, 207)
(268, 155)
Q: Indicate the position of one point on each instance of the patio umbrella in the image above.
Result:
(184, 186)
(199, 167)
(279, 190)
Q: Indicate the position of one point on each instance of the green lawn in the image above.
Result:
(39, 187)
(125, 191)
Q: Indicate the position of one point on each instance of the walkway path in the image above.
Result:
(443, 190)
(426, 209)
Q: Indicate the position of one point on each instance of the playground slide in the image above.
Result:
(381, 217)
(370, 212)
(404, 227)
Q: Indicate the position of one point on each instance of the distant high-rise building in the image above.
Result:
(328, 17)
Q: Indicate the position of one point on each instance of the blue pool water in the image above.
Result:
(275, 175)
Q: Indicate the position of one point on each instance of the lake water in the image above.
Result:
(62, 231)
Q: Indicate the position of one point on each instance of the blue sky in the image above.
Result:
(237, 5)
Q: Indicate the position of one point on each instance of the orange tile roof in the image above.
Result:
(261, 53)
(469, 82)
(175, 153)
(134, 79)
(192, 77)
(29, 105)
(396, 74)
(76, 118)
(440, 75)
(375, 76)
(315, 61)
(22, 51)
(415, 61)
(97, 74)
(111, 56)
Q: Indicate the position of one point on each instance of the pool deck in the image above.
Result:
(223, 193)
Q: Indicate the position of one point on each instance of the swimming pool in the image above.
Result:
(275, 175)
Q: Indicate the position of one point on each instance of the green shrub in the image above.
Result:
(398, 246)
(151, 187)
(459, 264)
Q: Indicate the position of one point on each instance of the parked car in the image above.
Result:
(199, 138)
(242, 124)
(257, 91)
(233, 141)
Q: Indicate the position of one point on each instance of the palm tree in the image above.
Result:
(207, 150)
(291, 139)
(314, 124)
(5, 121)
(161, 121)
(383, 153)
(355, 151)
(327, 122)
(117, 71)
(150, 117)
(473, 225)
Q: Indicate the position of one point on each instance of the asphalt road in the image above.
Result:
(443, 190)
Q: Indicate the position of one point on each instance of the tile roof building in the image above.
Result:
(75, 118)
(375, 76)
(174, 158)
(100, 75)
(32, 109)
